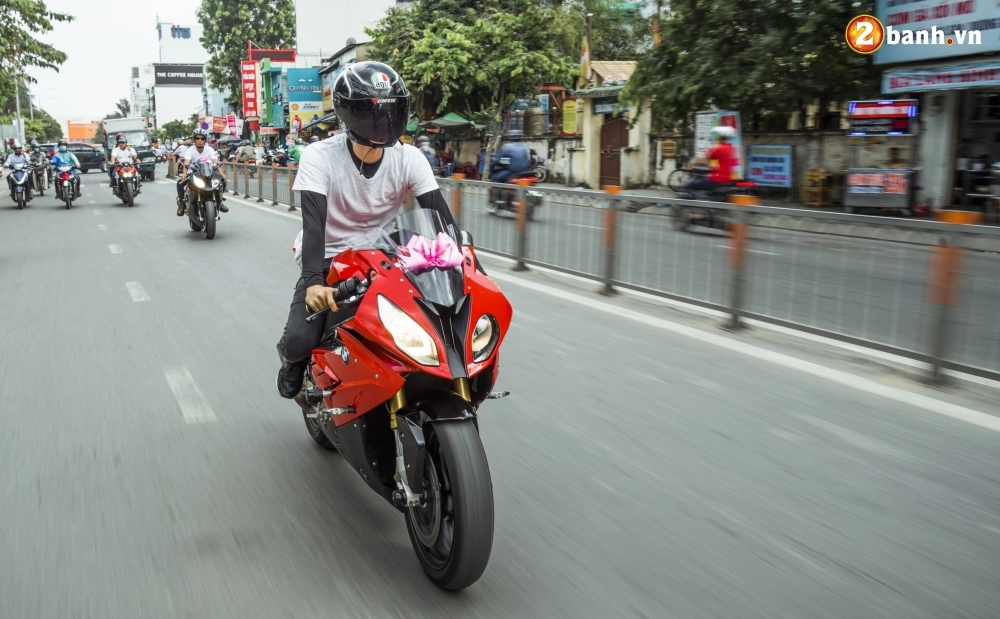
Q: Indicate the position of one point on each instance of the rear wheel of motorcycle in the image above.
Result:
(209, 219)
(452, 532)
(129, 194)
(540, 173)
(68, 197)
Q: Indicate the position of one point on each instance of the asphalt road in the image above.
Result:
(148, 469)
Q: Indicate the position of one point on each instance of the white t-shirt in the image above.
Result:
(128, 155)
(192, 154)
(355, 204)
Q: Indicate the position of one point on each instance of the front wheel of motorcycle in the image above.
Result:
(20, 200)
(129, 194)
(209, 219)
(452, 531)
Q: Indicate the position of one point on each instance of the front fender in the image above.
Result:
(443, 405)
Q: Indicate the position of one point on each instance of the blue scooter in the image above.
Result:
(18, 179)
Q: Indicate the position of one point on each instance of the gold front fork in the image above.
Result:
(397, 402)
(462, 389)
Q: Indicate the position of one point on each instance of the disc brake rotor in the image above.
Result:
(427, 517)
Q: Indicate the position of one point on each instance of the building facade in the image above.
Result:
(141, 91)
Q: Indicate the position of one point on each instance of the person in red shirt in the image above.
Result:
(721, 160)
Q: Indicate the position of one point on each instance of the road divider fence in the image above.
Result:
(921, 289)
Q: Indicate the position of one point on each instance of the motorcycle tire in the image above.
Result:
(129, 194)
(209, 219)
(317, 434)
(194, 225)
(460, 491)
(41, 187)
(677, 180)
(540, 173)
(680, 219)
(68, 197)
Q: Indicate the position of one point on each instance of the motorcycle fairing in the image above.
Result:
(362, 383)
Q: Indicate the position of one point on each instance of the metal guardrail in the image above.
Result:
(934, 300)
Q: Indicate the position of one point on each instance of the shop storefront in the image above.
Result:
(958, 92)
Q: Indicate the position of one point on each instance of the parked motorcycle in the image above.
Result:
(18, 179)
(126, 182)
(503, 199)
(40, 169)
(203, 196)
(65, 184)
(395, 386)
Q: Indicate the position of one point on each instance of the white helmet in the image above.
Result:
(723, 132)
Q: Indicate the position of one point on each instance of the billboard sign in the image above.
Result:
(882, 117)
(950, 18)
(983, 74)
(218, 124)
(770, 166)
(179, 75)
(301, 113)
(304, 85)
(275, 55)
(251, 94)
(327, 81)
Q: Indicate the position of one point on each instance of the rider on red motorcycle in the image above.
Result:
(342, 196)
(721, 160)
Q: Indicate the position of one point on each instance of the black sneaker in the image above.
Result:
(290, 377)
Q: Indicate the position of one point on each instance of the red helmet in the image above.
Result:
(120, 137)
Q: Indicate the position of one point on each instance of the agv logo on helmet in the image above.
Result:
(380, 81)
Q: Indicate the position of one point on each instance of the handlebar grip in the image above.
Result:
(342, 292)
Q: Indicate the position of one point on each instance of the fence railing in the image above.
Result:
(916, 288)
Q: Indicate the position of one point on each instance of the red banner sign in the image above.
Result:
(877, 183)
(251, 101)
(218, 124)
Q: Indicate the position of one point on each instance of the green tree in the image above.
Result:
(229, 24)
(764, 58)
(19, 49)
(176, 128)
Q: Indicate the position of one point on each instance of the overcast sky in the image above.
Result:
(102, 44)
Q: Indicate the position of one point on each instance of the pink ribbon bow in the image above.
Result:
(424, 253)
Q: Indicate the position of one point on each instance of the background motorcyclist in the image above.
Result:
(512, 160)
(196, 152)
(424, 144)
(15, 158)
(122, 153)
(721, 160)
(280, 157)
(64, 157)
(296, 153)
(246, 153)
(342, 196)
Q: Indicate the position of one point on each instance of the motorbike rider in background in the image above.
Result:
(296, 153)
(123, 153)
(15, 158)
(198, 151)
(424, 144)
(61, 157)
(280, 157)
(512, 160)
(721, 160)
(246, 153)
(342, 196)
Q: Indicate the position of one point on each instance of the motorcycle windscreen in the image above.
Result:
(205, 169)
(430, 256)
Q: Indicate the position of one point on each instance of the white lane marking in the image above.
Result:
(91, 201)
(115, 249)
(96, 212)
(194, 406)
(164, 182)
(697, 309)
(586, 226)
(754, 251)
(137, 291)
(946, 409)
(102, 227)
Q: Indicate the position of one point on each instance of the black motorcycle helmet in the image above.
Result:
(372, 103)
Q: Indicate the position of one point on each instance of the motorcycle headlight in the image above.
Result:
(409, 337)
(215, 183)
(484, 338)
(198, 182)
(149, 160)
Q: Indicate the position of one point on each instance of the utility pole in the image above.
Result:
(31, 106)
(17, 99)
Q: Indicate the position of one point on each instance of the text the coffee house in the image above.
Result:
(956, 88)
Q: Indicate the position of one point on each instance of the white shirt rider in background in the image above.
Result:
(122, 153)
(195, 153)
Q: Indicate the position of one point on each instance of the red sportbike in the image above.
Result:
(405, 362)
(126, 182)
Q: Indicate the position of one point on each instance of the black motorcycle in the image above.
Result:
(40, 168)
(204, 192)
(684, 217)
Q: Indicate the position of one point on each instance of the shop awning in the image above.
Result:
(411, 126)
(451, 120)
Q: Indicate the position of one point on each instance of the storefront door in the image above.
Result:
(614, 137)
